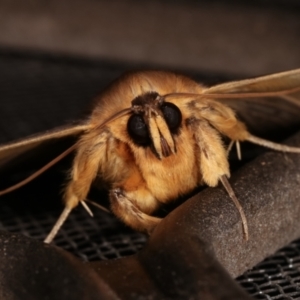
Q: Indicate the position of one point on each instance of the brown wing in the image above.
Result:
(18, 152)
(275, 83)
(259, 102)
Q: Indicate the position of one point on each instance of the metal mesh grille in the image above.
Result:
(277, 277)
(98, 238)
(38, 93)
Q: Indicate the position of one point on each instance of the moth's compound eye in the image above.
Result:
(138, 130)
(172, 115)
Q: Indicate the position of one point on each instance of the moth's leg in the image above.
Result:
(235, 200)
(220, 117)
(212, 160)
(95, 152)
(238, 148)
(212, 157)
(126, 208)
(89, 158)
(271, 145)
(223, 119)
(230, 146)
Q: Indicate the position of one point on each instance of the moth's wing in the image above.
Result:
(278, 82)
(268, 105)
(33, 147)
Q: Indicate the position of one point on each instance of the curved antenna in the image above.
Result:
(281, 93)
(119, 114)
(229, 95)
(59, 157)
(38, 172)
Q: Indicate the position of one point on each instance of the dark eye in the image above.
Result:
(138, 130)
(172, 115)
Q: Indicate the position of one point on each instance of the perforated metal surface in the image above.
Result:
(98, 238)
(277, 277)
(38, 93)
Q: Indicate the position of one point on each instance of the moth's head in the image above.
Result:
(153, 122)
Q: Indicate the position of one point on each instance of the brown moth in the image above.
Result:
(154, 136)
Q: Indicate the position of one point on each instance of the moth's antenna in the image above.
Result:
(38, 172)
(62, 218)
(119, 114)
(209, 92)
(231, 95)
(292, 99)
(233, 197)
(57, 159)
(279, 147)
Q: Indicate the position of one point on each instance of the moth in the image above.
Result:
(154, 136)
